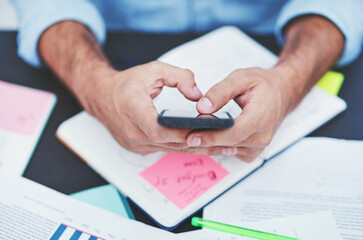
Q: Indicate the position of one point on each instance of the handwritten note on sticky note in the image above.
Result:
(22, 108)
(183, 178)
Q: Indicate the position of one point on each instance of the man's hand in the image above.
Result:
(120, 100)
(123, 103)
(313, 45)
(257, 92)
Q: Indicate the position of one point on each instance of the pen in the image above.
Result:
(199, 222)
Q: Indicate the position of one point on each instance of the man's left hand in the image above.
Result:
(257, 91)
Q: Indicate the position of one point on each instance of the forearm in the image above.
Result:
(313, 44)
(73, 53)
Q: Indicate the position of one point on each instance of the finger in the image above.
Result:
(245, 158)
(258, 140)
(182, 79)
(221, 93)
(249, 152)
(245, 125)
(223, 150)
(172, 145)
(144, 115)
(213, 151)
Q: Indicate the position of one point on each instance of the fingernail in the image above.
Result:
(196, 141)
(205, 105)
(227, 151)
(196, 91)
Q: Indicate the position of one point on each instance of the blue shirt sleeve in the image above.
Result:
(345, 14)
(36, 16)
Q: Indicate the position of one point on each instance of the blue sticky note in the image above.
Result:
(106, 197)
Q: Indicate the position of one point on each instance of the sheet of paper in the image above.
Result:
(303, 227)
(182, 178)
(316, 174)
(30, 211)
(24, 112)
(106, 197)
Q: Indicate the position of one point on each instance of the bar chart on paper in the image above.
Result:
(65, 232)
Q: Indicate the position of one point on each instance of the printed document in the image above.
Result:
(316, 174)
(30, 211)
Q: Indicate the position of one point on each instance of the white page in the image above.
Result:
(211, 58)
(30, 211)
(317, 174)
(303, 227)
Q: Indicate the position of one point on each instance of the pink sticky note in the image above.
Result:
(183, 178)
(22, 108)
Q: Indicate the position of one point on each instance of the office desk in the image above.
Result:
(55, 166)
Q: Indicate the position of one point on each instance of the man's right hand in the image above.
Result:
(123, 102)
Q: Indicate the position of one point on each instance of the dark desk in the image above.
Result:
(55, 166)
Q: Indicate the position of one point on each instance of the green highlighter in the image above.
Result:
(199, 222)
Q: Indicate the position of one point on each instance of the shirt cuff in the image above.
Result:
(35, 19)
(346, 15)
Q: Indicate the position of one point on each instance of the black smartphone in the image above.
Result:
(190, 119)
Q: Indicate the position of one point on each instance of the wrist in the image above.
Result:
(291, 83)
(92, 87)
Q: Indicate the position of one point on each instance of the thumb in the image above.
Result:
(217, 96)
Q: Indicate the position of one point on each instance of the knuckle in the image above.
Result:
(245, 158)
(214, 151)
(155, 136)
(154, 65)
(180, 136)
(265, 140)
(137, 149)
(220, 91)
(187, 150)
(143, 150)
(133, 137)
(248, 159)
(176, 145)
(237, 72)
(236, 137)
(208, 140)
(253, 152)
(189, 74)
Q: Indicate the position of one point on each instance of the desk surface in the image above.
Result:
(55, 166)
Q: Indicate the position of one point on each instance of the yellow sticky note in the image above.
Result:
(331, 82)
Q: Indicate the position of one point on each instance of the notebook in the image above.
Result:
(24, 112)
(171, 187)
